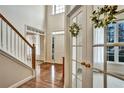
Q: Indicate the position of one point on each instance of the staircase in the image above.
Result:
(13, 45)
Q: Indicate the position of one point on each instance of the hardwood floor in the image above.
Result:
(47, 76)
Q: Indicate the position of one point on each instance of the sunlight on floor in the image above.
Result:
(52, 74)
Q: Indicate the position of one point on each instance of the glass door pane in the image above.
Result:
(77, 70)
(98, 67)
(98, 79)
(115, 55)
(98, 58)
(115, 69)
(74, 58)
(110, 72)
(114, 82)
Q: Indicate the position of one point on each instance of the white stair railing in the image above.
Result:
(14, 44)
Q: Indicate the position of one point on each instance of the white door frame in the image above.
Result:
(53, 35)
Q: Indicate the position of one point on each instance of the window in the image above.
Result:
(116, 34)
(111, 32)
(57, 33)
(111, 39)
(58, 9)
(110, 53)
(121, 31)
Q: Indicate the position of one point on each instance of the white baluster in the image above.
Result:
(23, 56)
(30, 57)
(19, 48)
(9, 46)
(16, 45)
(3, 35)
(6, 37)
(13, 42)
(25, 52)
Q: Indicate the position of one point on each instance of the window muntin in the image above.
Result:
(111, 32)
(121, 54)
(110, 53)
(58, 9)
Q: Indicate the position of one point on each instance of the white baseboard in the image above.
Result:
(53, 62)
(58, 63)
(21, 82)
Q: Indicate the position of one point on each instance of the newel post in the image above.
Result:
(33, 57)
(63, 61)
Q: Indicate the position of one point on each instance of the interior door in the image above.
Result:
(79, 51)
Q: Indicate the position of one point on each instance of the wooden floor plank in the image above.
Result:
(48, 76)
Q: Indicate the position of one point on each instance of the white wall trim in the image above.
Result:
(56, 62)
(11, 57)
(53, 62)
(21, 82)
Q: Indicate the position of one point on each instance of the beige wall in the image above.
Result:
(12, 71)
(20, 15)
(54, 23)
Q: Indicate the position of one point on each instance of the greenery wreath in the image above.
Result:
(104, 16)
(74, 29)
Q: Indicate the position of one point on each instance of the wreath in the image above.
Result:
(107, 12)
(74, 29)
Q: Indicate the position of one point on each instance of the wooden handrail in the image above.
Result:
(14, 29)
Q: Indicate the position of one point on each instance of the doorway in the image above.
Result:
(35, 39)
(57, 47)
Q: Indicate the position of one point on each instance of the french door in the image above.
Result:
(108, 56)
(80, 66)
(96, 62)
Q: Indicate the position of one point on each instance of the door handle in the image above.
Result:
(83, 63)
(87, 65)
